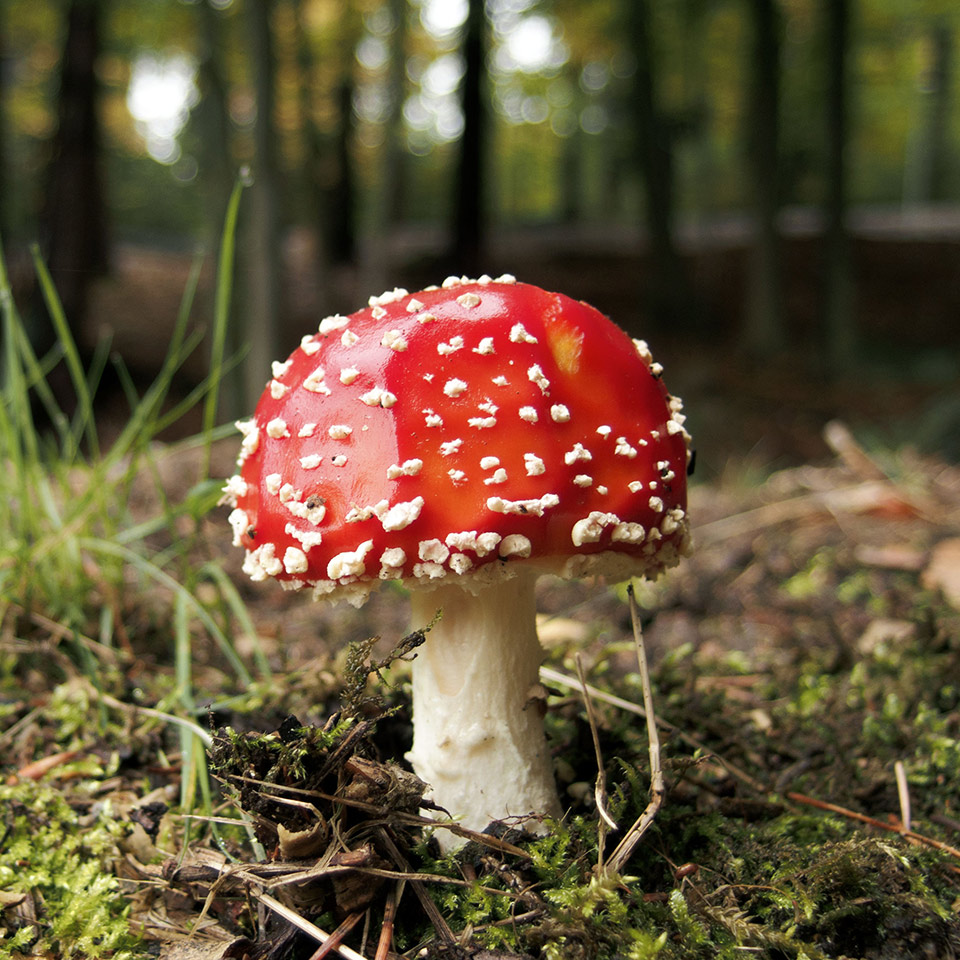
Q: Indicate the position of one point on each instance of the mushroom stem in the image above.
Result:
(478, 727)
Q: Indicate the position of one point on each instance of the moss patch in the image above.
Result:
(62, 898)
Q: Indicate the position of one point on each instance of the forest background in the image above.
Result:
(767, 190)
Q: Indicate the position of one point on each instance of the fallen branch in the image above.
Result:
(841, 441)
(910, 835)
(855, 498)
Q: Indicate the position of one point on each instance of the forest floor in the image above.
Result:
(806, 674)
(805, 665)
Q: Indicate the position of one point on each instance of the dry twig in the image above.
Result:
(336, 938)
(550, 675)
(430, 908)
(903, 792)
(301, 923)
(396, 816)
(389, 916)
(600, 787)
(658, 787)
(907, 834)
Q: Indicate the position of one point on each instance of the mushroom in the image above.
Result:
(463, 440)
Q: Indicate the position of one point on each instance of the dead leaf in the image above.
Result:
(890, 556)
(40, 768)
(883, 629)
(943, 570)
(204, 950)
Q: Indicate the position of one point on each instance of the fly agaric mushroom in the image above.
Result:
(463, 440)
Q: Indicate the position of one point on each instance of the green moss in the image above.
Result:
(62, 862)
(761, 876)
(279, 758)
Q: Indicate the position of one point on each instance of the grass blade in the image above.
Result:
(221, 314)
(85, 423)
(239, 610)
(108, 548)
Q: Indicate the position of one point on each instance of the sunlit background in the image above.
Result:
(560, 83)
(561, 79)
(529, 63)
(780, 179)
(161, 92)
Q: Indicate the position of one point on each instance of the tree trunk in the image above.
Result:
(764, 332)
(262, 267)
(669, 300)
(939, 99)
(469, 228)
(841, 334)
(395, 152)
(74, 217)
(341, 199)
(211, 121)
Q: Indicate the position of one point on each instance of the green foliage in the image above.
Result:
(93, 543)
(62, 862)
(71, 540)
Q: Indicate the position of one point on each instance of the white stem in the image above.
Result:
(478, 731)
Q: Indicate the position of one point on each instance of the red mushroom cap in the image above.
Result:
(441, 433)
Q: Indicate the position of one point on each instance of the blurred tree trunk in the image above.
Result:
(469, 226)
(211, 120)
(212, 135)
(381, 244)
(395, 152)
(74, 218)
(341, 195)
(329, 173)
(841, 334)
(939, 96)
(669, 297)
(262, 262)
(764, 332)
(695, 25)
(570, 173)
(313, 169)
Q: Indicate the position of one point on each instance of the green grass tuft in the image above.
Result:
(91, 580)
